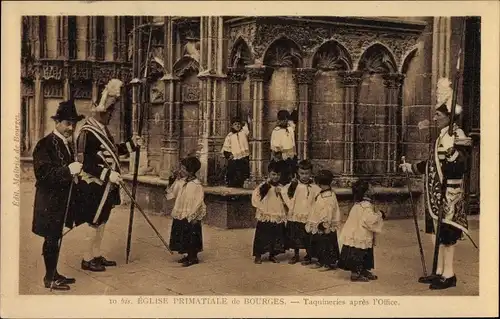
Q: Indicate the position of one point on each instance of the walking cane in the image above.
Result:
(74, 181)
(127, 191)
(422, 258)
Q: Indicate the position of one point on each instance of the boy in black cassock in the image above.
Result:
(237, 151)
(283, 146)
(271, 216)
(189, 209)
(323, 223)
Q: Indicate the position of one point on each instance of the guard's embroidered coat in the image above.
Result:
(96, 194)
(299, 198)
(271, 218)
(444, 174)
(51, 158)
(186, 234)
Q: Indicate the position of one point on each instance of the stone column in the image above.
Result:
(66, 81)
(236, 77)
(212, 104)
(38, 92)
(257, 75)
(305, 78)
(441, 51)
(392, 83)
(92, 38)
(351, 82)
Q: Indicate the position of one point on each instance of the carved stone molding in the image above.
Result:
(240, 55)
(81, 71)
(190, 93)
(351, 79)
(236, 75)
(53, 89)
(393, 80)
(310, 37)
(258, 73)
(82, 90)
(157, 92)
(28, 89)
(305, 75)
(52, 70)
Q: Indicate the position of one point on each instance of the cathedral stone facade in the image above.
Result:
(360, 86)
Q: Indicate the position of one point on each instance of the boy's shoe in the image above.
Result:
(331, 267)
(273, 259)
(317, 266)
(369, 275)
(183, 260)
(107, 263)
(258, 260)
(191, 262)
(359, 278)
(295, 259)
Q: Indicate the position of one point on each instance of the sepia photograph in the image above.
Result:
(261, 156)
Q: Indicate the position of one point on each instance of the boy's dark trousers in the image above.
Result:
(237, 172)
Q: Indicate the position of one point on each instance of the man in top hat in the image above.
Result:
(55, 167)
(444, 173)
(98, 191)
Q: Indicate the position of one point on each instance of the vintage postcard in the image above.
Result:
(249, 159)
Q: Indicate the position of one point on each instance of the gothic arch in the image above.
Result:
(332, 56)
(407, 60)
(184, 65)
(377, 58)
(240, 54)
(283, 52)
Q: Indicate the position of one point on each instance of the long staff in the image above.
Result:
(127, 191)
(417, 229)
(140, 112)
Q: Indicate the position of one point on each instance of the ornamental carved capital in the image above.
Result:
(304, 75)
(236, 75)
(258, 73)
(351, 78)
(393, 80)
(51, 70)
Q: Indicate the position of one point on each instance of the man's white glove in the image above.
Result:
(115, 178)
(406, 167)
(75, 168)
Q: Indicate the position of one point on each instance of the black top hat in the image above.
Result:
(67, 111)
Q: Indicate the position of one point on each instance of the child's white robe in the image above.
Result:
(189, 199)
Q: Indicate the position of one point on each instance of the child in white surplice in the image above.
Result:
(189, 209)
(237, 151)
(358, 234)
(323, 223)
(270, 215)
(299, 196)
(283, 146)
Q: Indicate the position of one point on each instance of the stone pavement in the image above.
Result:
(227, 267)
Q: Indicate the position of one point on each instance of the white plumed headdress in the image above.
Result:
(444, 96)
(110, 95)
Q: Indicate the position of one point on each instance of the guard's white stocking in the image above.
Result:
(440, 266)
(448, 261)
(98, 241)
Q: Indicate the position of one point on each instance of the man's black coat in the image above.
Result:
(53, 180)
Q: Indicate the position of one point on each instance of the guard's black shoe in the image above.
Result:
(105, 262)
(93, 265)
(369, 275)
(258, 260)
(66, 280)
(444, 283)
(56, 284)
(429, 279)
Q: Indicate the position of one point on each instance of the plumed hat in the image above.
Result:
(444, 96)
(67, 111)
(110, 95)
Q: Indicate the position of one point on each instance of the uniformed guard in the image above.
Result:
(98, 192)
(444, 176)
(55, 167)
